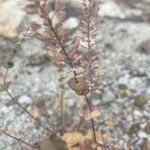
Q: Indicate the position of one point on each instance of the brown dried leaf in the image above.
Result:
(92, 114)
(48, 8)
(34, 25)
(58, 5)
(72, 139)
(62, 15)
(32, 8)
(75, 43)
(145, 145)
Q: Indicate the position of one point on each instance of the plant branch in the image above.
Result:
(93, 125)
(19, 140)
(25, 110)
(62, 46)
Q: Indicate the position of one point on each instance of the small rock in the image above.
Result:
(147, 128)
(142, 134)
(126, 93)
(122, 87)
(115, 10)
(140, 101)
(25, 99)
(110, 9)
(144, 47)
(134, 129)
(137, 113)
(11, 18)
(35, 60)
(71, 22)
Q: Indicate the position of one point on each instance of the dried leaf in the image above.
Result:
(62, 16)
(58, 5)
(34, 25)
(75, 42)
(73, 54)
(72, 139)
(145, 145)
(48, 8)
(92, 114)
(36, 113)
(32, 8)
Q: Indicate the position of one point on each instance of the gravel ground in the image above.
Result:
(124, 98)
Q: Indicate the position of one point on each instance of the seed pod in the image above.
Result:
(82, 92)
(79, 85)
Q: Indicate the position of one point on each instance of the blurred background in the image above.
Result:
(124, 46)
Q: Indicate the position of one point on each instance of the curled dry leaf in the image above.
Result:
(62, 16)
(34, 25)
(57, 56)
(73, 55)
(92, 114)
(32, 8)
(72, 139)
(62, 33)
(48, 7)
(75, 43)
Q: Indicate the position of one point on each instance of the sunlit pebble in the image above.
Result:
(25, 99)
(146, 113)
(71, 22)
(142, 134)
(148, 91)
(110, 9)
(129, 118)
(137, 113)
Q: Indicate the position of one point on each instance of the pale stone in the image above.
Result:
(11, 16)
(71, 22)
(25, 99)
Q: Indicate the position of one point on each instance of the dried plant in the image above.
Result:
(66, 49)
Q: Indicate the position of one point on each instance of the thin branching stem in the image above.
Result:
(25, 110)
(62, 47)
(93, 125)
(14, 52)
(13, 99)
(19, 140)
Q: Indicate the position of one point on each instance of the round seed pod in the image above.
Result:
(82, 92)
(79, 85)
